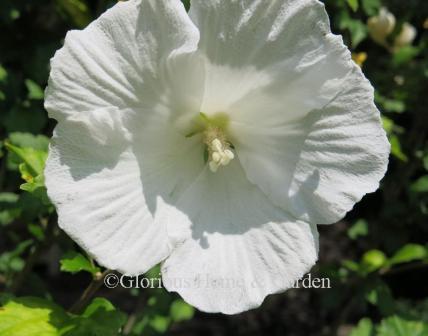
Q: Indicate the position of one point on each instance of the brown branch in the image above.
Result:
(89, 292)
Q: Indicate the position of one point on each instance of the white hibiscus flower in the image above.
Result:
(212, 142)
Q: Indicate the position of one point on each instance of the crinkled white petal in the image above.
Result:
(302, 115)
(127, 57)
(318, 167)
(241, 247)
(110, 86)
(112, 186)
(268, 62)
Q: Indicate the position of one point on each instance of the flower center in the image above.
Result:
(218, 151)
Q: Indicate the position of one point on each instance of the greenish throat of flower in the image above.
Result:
(218, 149)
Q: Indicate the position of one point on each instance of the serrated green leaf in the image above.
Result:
(364, 328)
(408, 253)
(74, 262)
(33, 158)
(181, 311)
(31, 317)
(100, 318)
(396, 326)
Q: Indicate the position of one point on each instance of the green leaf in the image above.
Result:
(3, 74)
(351, 265)
(31, 317)
(425, 162)
(388, 125)
(404, 55)
(390, 105)
(356, 28)
(33, 158)
(371, 7)
(373, 260)
(77, 10)
(408, 253)
(421, 185)
(31, 169)
(364, 328)
(9, 209)
(25, 117)
(396, 326)
(181, 311)
(353, 4)
(100, 318)
(11, 261)
(35, 92)
(37, 317)
(36, 231)
(160, 323)
(25, 140)
(39, 142)
(186, 4)
(74, 262)
(396, 148)
(380, 295)
(359, 229)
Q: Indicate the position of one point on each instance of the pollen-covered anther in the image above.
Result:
(221, 155)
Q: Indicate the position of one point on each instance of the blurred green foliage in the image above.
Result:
(379, 271)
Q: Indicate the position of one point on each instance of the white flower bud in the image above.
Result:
(381, 26)
(406, 37)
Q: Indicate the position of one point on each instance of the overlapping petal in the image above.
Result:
(125, 58)
(113, 186)
(241, 248)
(116, 90)
(318, 167)
(302, 114)
(268, 62)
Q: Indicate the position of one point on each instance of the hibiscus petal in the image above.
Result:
(241, 248)
(268, 66)
(318, 167)
(112, 180)
(122, 59)
(268, 63)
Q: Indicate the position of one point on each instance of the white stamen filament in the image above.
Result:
(220, 156)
